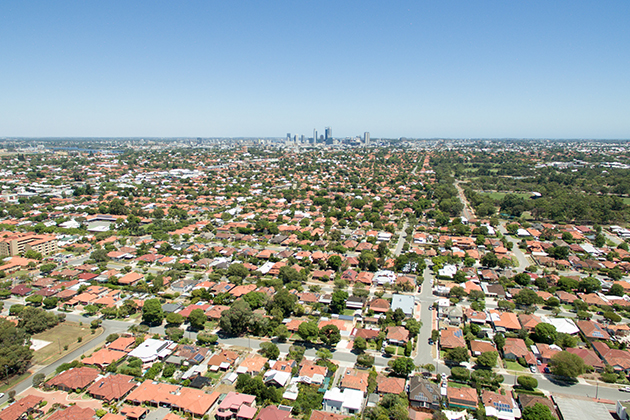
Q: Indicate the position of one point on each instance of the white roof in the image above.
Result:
(563, 325)
(352, 399)
(151, 349)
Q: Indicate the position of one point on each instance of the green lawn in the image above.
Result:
(500, 195)
(63, 334)
(14, 381)
(626, 200)
(511, 365)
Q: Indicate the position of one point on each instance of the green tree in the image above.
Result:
(527, 382)
(487, 359)
(537, 411)
(175, 319)
(283, 300)
(567, 364)
(589, 285)
(308, 331)
(269, 350)
(526, 297)
(36, 300)
(197, 319)
(338, 301)
(15, 351)
(459, 373)
(403, 366)
(236, 319)
(330, 334)
(281, 332)
(50, 302)
(359, 344)
(152, 312)
(457, 355)
(545, 333)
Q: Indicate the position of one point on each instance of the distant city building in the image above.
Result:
(366, 138)
(314, 136)
(328, 133)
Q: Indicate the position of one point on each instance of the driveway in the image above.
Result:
(62, 397)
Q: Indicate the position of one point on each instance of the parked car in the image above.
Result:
(625, 389)
(533, 369)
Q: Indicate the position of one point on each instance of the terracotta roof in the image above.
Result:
(323, 415)
(20, 407)
(112, 387)
(355, 380)
(104, 357)
(75, 378)
(390, 385)
(73, 412)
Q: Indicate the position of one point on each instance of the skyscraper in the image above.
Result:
(366, 138)
(328, 134)
(314, 135)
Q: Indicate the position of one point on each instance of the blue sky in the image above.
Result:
(421, 69)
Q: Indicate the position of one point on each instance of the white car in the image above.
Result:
(533, 369)
(1, 394)
(625, 389)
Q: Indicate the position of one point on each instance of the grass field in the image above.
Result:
(514, 366)
(63, 334)
(500, 195)
(14, 381)
(626, 200)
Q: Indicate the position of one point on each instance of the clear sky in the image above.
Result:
(539, 69)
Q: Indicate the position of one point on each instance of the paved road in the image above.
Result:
(401, 239)
(109, 327)
(467, 211)
(426, 298)
(523, 262)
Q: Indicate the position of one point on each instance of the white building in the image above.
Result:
(348, 401)
(152, 349)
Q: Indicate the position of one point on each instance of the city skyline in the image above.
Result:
(401, 69)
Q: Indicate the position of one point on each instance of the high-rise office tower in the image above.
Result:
(314, 135)
(288, 137)
(328, 134)
(366, 138)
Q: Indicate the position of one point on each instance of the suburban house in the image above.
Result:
(112, 388)
(349, 401)
(72, 379)
(500, 406)
(237, 406)
(424, 393)
(464, 397)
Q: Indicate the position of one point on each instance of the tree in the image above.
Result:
(459, 373)
(359, 344)
(611, 316)
(197, 319)
(567, 364)
(174, 333)
(205, 338)
(457, 292)
(236, 319)
(413, 327)
(526, 297)
(403, 366)
(330, 334)
(35, 320)
(457, 355)
(537, 411)
(308, 331)
(50, 302)
(238, 270)
(90, 310)
(111, 338)
(282, 332)
(152, 312)
(38, 379)
(338, 301)
(283, 300)
(522, 278)
(490, 259)
(36, 300)
(567, 284)
(334, 262)
(589, 285)
(506, 305)
(528, 382)
(324, 354)
(487, 359)
(175, 319)
(15, 351)
(269, 350)
(499, 340)
(545, 333)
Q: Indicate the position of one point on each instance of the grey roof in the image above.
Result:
(573, 409)
(404, 302)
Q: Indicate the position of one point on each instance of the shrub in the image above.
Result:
(527, 382)
(460, 374)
